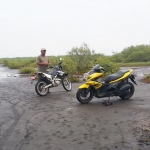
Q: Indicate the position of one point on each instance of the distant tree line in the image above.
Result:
(139, 53)
(81, 59)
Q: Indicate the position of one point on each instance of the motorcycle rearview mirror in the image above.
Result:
(60, 60)
(51, 67)
(107, 65)
(102, 69)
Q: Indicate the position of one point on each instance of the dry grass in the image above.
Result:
(146, 78)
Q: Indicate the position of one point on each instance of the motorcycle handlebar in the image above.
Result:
(51, 67)
(60, 63)
(103, 69)
(55, 66)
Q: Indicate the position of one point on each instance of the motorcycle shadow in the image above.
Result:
(113, 102)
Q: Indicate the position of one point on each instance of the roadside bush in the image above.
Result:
(105, 62)
(70, 67)
(17, 63)
(146, 78)
(27, 70)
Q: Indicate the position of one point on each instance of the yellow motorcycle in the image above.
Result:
(116, 84)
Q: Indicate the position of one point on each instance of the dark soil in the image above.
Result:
(59, 122)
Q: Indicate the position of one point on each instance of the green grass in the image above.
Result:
(27, 70)
(27, 65)
(17, 63)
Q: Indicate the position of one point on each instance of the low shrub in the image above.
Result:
(27, 70)
(74, 79)
(146, 78)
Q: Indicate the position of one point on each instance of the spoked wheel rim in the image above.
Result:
(41, 90)
(67, 84)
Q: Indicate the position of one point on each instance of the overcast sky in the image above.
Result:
(106, 26)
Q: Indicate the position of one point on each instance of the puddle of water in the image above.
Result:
(139, 71)
(6, 72)
(145, 106)
(8, 75)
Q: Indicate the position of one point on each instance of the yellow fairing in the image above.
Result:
(95, 84)
(123, 77)
(94, 76)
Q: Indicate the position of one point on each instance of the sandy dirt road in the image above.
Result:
(59, 122)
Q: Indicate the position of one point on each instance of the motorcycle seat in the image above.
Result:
(115, 76)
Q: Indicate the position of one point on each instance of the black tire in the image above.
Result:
(39, 88)
(66, 83)
(131, 92)
(84, 97)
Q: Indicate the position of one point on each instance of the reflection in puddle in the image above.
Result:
(6, 72)
(145, 106)
(9, 75)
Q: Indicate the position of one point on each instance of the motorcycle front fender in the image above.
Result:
(94, 84)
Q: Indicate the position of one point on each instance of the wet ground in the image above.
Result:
(59, 122)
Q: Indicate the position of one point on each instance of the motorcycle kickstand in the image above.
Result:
(107, 102)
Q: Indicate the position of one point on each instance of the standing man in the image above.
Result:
(43, 61)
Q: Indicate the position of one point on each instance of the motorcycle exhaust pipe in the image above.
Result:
(124, 89)
(125, 92)
(47, 86)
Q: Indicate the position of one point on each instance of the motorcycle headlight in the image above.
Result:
(60, 73)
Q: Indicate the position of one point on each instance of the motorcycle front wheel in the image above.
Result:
(40, 88)
(66, 83)
(83, 96)
(128, 93)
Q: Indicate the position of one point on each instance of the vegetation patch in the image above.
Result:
(146, 78)
(27, 70)
(80, 60)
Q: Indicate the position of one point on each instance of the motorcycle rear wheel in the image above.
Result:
(39, 88)
(84, 97)
(66, 83)
(131, 92)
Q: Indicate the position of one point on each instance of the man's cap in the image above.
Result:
(43, 49)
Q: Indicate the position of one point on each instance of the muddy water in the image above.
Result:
(6, 72)
(138, 71)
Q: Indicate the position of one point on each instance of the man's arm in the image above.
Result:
(42, 63)
(38, 62)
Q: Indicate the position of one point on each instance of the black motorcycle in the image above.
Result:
(51, 79)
